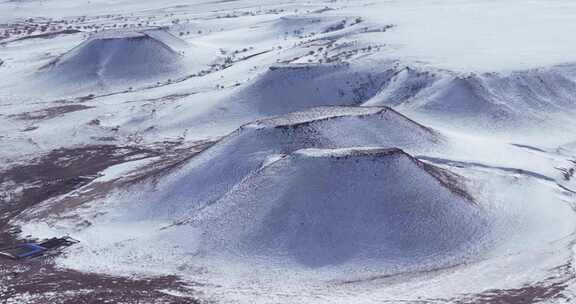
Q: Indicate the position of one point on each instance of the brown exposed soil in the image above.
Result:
(524, 295)
(24, 186)
(553, 287)
(49, 113)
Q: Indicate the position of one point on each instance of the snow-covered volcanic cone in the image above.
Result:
(359, 208)
(284, 88)
(111, 57)
(330, 191)
(519, 100)
(214, 172)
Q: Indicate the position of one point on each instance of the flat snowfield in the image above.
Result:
(255, 151)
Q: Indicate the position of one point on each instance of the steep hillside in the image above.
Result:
(498, 102)
(294, 87)
(116, 58)
(347, 208)
(214, 172)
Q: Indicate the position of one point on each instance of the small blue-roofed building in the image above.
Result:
(23, 251)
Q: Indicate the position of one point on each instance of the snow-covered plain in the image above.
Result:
(365, 152)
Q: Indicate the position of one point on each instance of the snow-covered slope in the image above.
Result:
(286, 88)
(213, 173)
(346, 209)
(115, 58)
(495, 102)
(352, 151)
